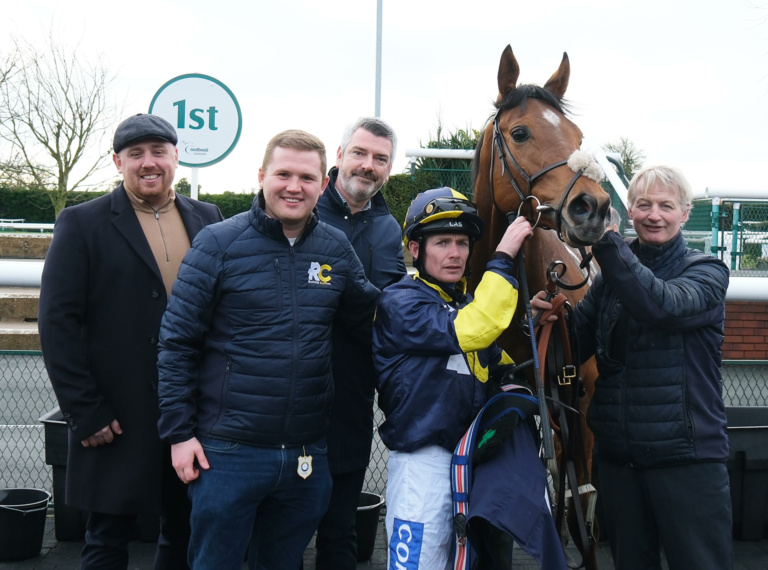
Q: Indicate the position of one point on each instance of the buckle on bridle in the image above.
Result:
(569, 373)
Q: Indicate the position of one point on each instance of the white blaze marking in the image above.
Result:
(551, 116)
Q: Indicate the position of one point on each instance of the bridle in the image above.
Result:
(500, 143)
(504, 152)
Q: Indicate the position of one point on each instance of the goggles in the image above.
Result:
(448, 207)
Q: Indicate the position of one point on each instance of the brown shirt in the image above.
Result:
(166, 234)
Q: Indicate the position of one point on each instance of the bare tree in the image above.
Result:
(7, 67)
(631, 157)
(55, 114)
(8, 166)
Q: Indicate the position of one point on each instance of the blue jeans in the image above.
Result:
(255, 493)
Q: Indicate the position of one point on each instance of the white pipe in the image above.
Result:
(440, 153)
(731, 193)
(28, 272)
(25, 227)
(746, 289)
(21, 272)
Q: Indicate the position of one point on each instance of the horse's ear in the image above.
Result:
(509, 71)
(558, 83)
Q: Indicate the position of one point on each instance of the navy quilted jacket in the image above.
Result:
(654, 320)
(375, 236)
(245, 344)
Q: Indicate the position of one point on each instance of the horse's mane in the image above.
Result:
(518, 97)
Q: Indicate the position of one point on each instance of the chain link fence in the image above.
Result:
(26, 395)
(735, 231)
(743, 232)
(745, 382)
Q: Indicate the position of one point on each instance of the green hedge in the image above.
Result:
(230, 203)
(34, 206)
(401, 189)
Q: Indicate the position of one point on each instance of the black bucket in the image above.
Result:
(22, 522)
(367, 523)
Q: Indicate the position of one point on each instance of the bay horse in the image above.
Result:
(528, 161)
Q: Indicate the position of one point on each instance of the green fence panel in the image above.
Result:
(460, 179)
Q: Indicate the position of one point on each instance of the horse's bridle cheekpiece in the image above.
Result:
(581, 162)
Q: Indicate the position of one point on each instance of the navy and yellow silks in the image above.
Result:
(477, 324)
(433, 355)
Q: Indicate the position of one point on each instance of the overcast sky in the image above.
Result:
(686, 81)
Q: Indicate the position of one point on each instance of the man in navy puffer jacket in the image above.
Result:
(654, 321)
(245, 364)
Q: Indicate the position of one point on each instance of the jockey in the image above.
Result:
(434, 346)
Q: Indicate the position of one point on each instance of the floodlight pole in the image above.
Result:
(378, 56)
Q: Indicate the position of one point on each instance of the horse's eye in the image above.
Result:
(520, 134)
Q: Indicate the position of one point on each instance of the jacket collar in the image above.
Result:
(127, 224)
(656, 256)
(459, 292)
(273, 227)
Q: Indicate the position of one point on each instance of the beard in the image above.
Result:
(361, 185)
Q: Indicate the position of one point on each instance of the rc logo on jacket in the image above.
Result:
(318, 273)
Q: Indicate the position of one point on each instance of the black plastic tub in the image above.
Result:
(22, 522)
(748, 470)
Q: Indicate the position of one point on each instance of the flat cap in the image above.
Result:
(140, 127)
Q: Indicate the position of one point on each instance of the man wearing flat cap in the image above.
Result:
(106, 281)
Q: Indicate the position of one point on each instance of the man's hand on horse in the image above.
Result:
(540, 302)
(517, 232)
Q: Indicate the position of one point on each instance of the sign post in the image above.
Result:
(206, 116)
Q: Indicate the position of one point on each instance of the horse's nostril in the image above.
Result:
(582, 207)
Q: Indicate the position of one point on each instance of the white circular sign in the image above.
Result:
(204, 113)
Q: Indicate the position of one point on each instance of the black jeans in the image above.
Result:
(684, 510)
(336, 540)
(106, 541)
(173, 542)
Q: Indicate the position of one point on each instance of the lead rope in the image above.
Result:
(546, 432)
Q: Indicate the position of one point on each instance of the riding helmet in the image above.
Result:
(441, 211)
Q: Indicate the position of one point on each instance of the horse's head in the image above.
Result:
(530, 152)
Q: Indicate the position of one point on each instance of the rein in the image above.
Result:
(563, 380)
(546, 434)
(558, 381)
